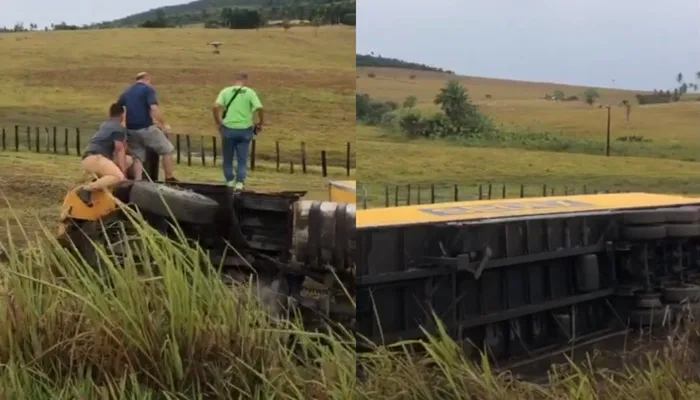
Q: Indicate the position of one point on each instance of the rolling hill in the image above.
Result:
(206, 11)
(197, 6)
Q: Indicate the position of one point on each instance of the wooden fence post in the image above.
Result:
(490, 190)
(522, 190)
(277, 154)
(386, 196)
(503, 192)
(188, 142)
(303, 157)
(456, 192)
(201, 151)
(29, 138)
(177, 147)
(432, 193)
(347, 158)
(37, 139)
(16, 137)
(4, 140)
(65, 141)
(396, 196)
(408, 194)
(54, 140)
(77, 141)
(291, 167)
(324, 167)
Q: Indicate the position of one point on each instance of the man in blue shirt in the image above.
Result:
(146, 125)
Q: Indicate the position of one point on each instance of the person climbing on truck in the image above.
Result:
(234, 109)
(106, 155)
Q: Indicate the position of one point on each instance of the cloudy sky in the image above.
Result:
(640, 44)
(77, 12)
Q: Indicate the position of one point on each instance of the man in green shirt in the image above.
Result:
(233, 114)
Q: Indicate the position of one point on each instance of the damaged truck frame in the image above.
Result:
(302, 250)
(520, 278)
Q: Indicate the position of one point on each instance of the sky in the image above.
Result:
(75, 12)
(631, 44)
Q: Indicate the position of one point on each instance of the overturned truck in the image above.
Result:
(302, 250)
(518, 278)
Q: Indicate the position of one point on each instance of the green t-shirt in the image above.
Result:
(240, 112)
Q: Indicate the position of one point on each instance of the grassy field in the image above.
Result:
(390, 162)
(520, 105)
(69, 78)
(34, 185)
(573, 158)
(669, 129)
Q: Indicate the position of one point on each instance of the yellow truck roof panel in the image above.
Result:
(505, 208)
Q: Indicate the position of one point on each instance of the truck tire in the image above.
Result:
(164, 201)
(654, 232)
(680, 231)
(587, 273)
(683, 215)
(677, 293)
(644, 217)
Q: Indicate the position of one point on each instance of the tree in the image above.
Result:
(461, 115)
(241, 18)
(590, 96)
(410, 102)
(558, 95)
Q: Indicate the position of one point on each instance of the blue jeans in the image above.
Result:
(235, 143)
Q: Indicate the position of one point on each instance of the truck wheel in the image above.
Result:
(184, 206)
(644, 232)
(587, 273)
(683, 215)
(678, 292)
(644, 217)
(680, 231)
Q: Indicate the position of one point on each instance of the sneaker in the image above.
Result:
(86, 196)
(238, 186)
(231, 184)
(172, 179)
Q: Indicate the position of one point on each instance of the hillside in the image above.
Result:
(209, 11)
(370, 60)
(197, 6)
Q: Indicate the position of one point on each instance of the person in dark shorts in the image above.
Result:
(146, 126)
(106, 155)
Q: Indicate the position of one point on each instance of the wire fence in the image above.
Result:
(190, 149)
(372, 195)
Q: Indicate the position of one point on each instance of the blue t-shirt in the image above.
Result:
(138, 100)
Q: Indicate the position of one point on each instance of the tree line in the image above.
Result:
(325, 12)
(317, 12)
(372, 60)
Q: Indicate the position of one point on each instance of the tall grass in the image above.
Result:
(70, 331)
